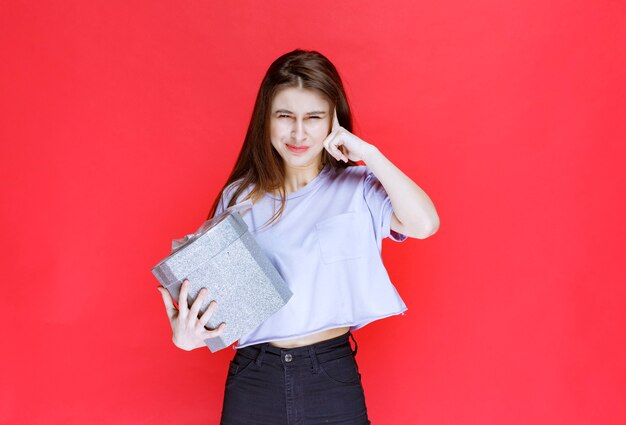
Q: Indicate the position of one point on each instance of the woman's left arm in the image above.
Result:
(414, 214)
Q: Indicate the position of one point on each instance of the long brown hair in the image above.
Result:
(258, 163)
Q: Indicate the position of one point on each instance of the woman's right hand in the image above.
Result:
(188, 331)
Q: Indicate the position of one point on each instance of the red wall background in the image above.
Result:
(120, 120)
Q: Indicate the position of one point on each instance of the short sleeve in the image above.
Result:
(220, 205)
(227, 193)
(379, 204)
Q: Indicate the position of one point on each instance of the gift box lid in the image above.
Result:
(222, 230)
(224, 257)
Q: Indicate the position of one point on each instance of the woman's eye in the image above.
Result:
(289, 116)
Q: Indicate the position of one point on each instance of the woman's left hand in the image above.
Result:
(343, 145)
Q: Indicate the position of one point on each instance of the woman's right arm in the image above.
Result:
(188, 331)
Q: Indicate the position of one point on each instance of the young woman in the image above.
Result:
(320, 218)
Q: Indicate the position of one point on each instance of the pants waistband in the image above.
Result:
(318, 352)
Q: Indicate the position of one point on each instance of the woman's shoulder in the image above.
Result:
(231, 188)
(353, 173)
(358, 168)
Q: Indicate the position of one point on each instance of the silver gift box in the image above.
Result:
(224, 257)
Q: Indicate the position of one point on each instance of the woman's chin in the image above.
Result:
(302, 162)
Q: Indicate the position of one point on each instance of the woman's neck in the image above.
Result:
(297, 178)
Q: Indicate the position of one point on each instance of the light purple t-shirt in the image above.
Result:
(327, 246)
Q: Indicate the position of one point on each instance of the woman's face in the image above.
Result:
(300, 120)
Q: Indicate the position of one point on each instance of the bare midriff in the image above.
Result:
(311, 339)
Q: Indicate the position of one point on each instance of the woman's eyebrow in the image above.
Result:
(286, 111)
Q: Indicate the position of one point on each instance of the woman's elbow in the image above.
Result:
(429, 230)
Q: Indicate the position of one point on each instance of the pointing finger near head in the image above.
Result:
(329, 137)
(334, 146)
(335, 119)
(334, 128)
(330, 145)
(328, 142)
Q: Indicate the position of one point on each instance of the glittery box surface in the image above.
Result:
(224, 257)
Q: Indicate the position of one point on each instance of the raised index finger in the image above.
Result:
(335, 120)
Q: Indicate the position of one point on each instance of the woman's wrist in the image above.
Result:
(370, 153)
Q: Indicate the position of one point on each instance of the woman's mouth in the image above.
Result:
(296, 149)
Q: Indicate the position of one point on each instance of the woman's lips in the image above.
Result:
(295, 149)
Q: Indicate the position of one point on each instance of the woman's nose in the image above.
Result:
(298, 132)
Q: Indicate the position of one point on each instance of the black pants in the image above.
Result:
(315, 384)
